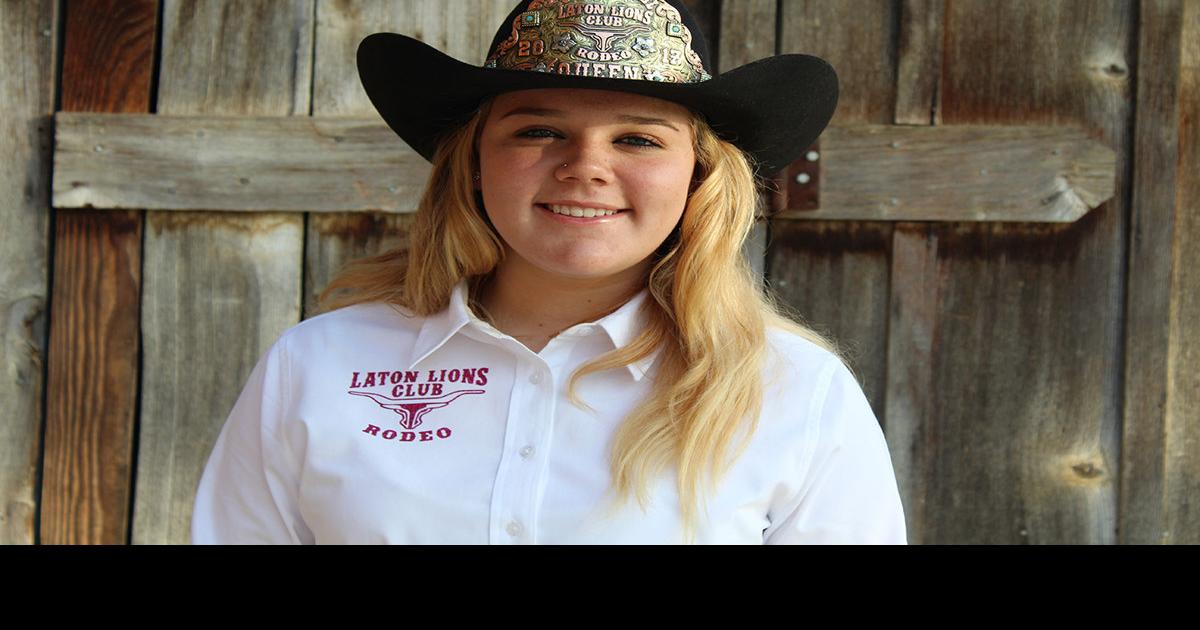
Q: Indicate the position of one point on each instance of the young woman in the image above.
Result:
(572, 349)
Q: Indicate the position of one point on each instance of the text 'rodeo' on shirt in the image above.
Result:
(412, 397)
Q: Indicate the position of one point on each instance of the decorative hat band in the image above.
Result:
(613, 39)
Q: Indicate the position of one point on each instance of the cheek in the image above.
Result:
(504, 177)
(665, 186)
(507, 172)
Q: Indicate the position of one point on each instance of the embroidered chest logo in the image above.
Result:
(413, 393)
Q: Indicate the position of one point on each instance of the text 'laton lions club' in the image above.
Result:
(592, 9)
(405, 383)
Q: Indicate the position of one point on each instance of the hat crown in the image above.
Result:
(649, 40)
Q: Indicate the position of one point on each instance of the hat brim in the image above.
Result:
(773, 108)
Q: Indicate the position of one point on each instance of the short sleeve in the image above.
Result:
(248, 491)
(849, 495)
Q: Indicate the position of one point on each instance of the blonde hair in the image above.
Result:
(707, 312)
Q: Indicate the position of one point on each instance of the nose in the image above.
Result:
(585, 160)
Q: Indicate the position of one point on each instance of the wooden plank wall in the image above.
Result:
(219, 287)
(1034, 380)
(991, 352)
(1160, 450)
(28, 56)
(1183, 386)
(92, 379)
(1027, 354)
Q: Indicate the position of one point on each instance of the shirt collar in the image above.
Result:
(621, 325)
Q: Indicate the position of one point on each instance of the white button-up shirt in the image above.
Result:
(369, 425)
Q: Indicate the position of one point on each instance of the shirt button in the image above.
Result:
(514, 529)
(526, 451)
(535, 378)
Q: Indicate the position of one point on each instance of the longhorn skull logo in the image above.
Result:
(411, 410)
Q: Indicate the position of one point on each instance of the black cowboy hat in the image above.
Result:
(773, 108)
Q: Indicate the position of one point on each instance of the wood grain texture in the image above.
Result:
(836, 273)
(961, 173)
(93, 351)
(236, 58)
(1183, 468)
(1160, 455)
(219, 288)
(92, 378)
(246, 164)
(748, 32)
(108, 55)
(911, 397)
(337, 238)
(919, 61)
(28, 58)
(1028, 351)
(913, 310)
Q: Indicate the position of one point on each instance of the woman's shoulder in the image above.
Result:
(363, 323)
(797, 353)
(803, 373)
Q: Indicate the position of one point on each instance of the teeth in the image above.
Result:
(573, 211)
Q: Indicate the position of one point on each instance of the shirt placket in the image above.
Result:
(526, 445)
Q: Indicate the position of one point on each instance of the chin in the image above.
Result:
(583, 269)
(584, 273)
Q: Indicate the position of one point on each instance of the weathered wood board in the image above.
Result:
(911, 397)
(919, 61)
(1160, 446)
(961, 173)
(1026, 353)
(1183, 469)
(835, 273)
(28, 32)
(877, 172)
(913, 311)
(242, 164)
(92, 377)
(337, 238)
(218, 288)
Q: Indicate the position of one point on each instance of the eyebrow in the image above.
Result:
(558, 113)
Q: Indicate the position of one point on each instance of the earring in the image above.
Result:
(475, 176)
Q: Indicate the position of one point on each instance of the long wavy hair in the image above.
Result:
(708, 314)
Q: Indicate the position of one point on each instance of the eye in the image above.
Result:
(640, 141)
(540, 132)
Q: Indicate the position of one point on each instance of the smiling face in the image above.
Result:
(585, 184)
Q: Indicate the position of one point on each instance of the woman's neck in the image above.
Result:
(534, 306)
